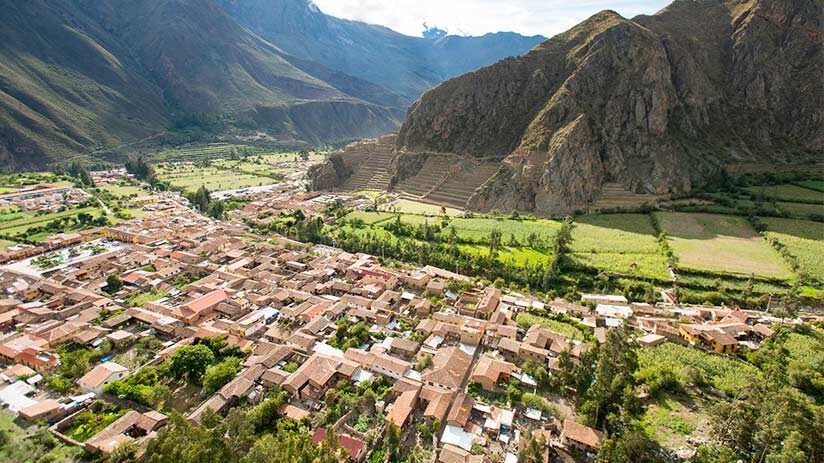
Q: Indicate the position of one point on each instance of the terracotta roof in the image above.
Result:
(354, 446)
(450, 366)
(99, 374)
(402, 408)
(582, 434)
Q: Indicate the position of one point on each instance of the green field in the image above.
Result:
(690, 364)
(792, 193)
(642, 265)
(621, 243)
(569, 330)
(21, 223)
(800, 209)
(370, 218)
(817, 185)
(411, 207)
(479, 230)
(190, 177)
(721, 243)
(125, 191)
(803, 239)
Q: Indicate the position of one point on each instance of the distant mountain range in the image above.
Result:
(79, 76)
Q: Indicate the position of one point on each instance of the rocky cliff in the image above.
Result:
(656, 103)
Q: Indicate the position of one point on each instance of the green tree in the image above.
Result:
(191, 361)
(218, 375)
(113, 284)
(614, 378)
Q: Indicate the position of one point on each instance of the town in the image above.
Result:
(113, 332)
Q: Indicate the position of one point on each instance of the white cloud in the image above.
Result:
(477, 17)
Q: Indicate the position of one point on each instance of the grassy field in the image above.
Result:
(721, 243)
(411, 207)
(803, 239)
(21, 222)
(817, 185)
(125, 191)
(787, 193)
(800, 209)
(370, 218)
(190, 177)
(478, 230)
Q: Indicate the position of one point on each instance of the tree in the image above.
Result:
(191, 361)
(391, 441)
(216, 376)
(532, 451)
(180, 441)
(113, 284)
(614, 378)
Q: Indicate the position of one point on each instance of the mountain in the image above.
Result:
(408, 66)
(658, 104)
(85, 76)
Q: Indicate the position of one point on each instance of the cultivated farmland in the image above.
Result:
(803, 239)
(721, 243)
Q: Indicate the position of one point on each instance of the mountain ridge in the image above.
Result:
(656, 103)
(83, 76)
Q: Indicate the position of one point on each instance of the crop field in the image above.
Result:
(621, 243)
(571, 331)
(519, 256)
(801, 209)
(803, 239)
(724, 374)
(614, 233)
(721, 243)
(817, 185)
(211, 151)
(190, 177)
(642, 265)
(412, 207)
(19, 222)
(125, 191)
(791, 193)
(479, 230)
(370, 218)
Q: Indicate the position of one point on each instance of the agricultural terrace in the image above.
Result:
(791, 193)
(721, 243)
(621, 243)
(803, 239)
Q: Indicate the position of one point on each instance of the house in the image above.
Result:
(490, 371)
(651, 340)
(317, 374)
(43, 410)
(580, 437)
(450, 367)
(101, 375)
(128, 428)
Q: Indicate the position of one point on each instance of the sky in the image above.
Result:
(477, 17)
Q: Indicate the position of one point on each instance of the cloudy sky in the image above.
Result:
(476, 17)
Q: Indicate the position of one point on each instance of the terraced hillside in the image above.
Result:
(434, 172)
(615, 196)
(371, 173)
(457, 189)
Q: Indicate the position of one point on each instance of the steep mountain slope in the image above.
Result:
(657, 104)
(77, 75)
(65, 87)
(405, 65)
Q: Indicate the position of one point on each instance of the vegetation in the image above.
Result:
(90, 422)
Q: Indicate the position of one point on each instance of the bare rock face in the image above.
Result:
(657, 103)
